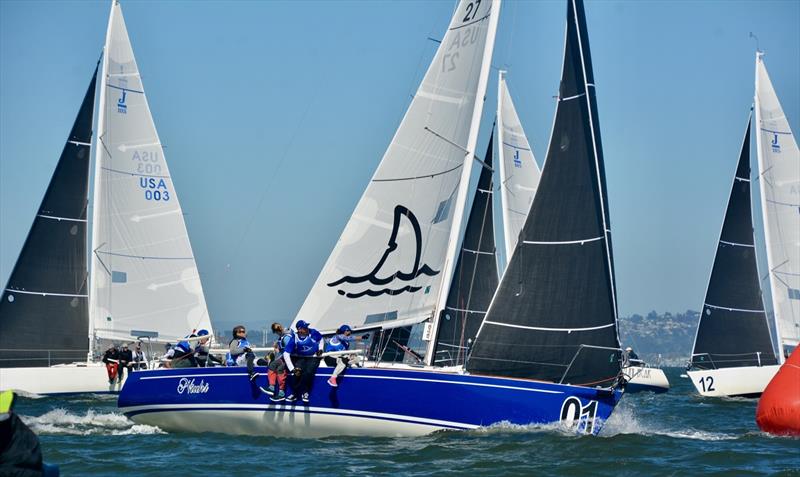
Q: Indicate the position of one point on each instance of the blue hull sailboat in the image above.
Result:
(449, 345)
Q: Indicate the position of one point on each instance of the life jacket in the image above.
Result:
(337, 343)
(230, 358)
(183, 346)
(283, 341)
(307, 346)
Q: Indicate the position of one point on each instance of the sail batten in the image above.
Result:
(733, 329)
(554, 314)
(45, 301)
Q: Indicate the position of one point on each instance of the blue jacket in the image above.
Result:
(339, 342)
(307, 346)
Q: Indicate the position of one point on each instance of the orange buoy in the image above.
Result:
(778, 410)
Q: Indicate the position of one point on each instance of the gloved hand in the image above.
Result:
(247, 350)
(297, 372)
(319, 352)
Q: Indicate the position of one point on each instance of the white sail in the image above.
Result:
(393, 257)
(779, 173)
(519, 172)
(143, 272)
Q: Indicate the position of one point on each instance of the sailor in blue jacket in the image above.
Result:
(341, 341)
(301, 356)
(182, 355)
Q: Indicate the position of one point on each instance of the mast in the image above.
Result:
(96, 186)
(461, 197)
(501, 162)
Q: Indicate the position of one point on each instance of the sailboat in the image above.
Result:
(394, 281)
(733, 354)
(57, 310)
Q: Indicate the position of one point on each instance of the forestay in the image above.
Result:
(519, 172)
(143, 272)
(733, 329)
(779, 171)
(391, 260)
(553, 317)
(44, 308)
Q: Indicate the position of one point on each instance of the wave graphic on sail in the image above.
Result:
(391, 246)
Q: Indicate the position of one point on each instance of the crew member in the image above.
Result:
(111, 359)
(201, 354)
(276, 369)
(139, 358)
(125, 360)
(339, 342)
(239, 351)
(301, 355)
(182, 355)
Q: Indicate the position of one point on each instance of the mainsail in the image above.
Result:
(475, 278)
(779, 174)
(44, 308)
(395, 255)
(733, 329)
(143, 274)
(519, 172)
(553, 317)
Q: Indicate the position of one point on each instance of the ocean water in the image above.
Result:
(676, 433)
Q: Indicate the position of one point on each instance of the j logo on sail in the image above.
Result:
(517, 160)
(121, 106)
(776, 147)
(372, 277)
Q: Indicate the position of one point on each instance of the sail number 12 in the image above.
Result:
(707, 383)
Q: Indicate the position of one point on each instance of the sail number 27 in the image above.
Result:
(472, 10)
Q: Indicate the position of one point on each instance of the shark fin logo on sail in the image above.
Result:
(379, 283)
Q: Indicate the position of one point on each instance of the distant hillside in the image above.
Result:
(668, 335)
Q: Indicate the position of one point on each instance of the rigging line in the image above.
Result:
(267, 188)
(743, 310)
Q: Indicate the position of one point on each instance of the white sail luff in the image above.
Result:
(779, 182)
(502, 169)
(457, 224)
(98, 146)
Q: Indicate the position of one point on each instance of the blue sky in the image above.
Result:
(275, 115)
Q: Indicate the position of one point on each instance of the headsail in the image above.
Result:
(475, 278)
(519, 172)
(143, 273)
(553, 317)
(779, 173)
(391, 260)
(733, 329)
(44, 308)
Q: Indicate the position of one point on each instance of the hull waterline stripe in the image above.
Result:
(566, 242)
(53, 217)
(25, 292)
(736, 244)
(732, 309)
(537, 328)
(352, 376)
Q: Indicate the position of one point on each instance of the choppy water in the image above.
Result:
(669, 434)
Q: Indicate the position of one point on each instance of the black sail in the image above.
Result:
(554, 315)
(474, 280)
(733, 329)
(44, 317)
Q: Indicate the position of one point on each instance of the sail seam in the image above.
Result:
(124, 89)
(473, 22)
(79, 143)
(565, 242)
(464, 310)
(144, 257)
(26, 292)
(476, 251)
(516, 147)
(742, 179)
(744, 310)
(735, 244)
(133, 173)
(776, 132)
(572, 97)
(53, 217)
(539, 328)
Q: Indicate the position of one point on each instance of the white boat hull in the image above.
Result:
(643, 378)
(62, 379)
(748, 381)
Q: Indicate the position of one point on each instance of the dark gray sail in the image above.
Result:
(475, 277)
(554, 315)
(44, 317)
(733, 329)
